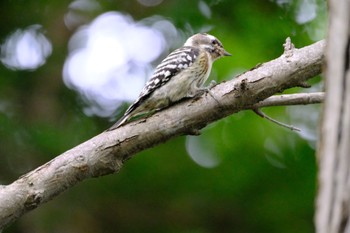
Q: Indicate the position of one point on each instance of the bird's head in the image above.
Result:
(208, 42)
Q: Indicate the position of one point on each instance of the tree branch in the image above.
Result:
(263, 115)
(291, 99)
(105, 153)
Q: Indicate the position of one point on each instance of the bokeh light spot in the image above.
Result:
(204, 9)
(306, 11)
(202, 151)
(110, 60)
(25, 49)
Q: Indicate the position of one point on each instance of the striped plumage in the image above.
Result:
(181, 74)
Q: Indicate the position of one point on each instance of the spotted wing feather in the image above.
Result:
(172, 65)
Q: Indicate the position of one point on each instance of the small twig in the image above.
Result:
(291, 99)
(284, 100)
(288, 49)
(263, 115)
(288, 45)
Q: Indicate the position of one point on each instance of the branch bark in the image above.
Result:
(105, 153)
(292, 99)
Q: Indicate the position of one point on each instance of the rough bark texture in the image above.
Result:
(106, 153)
(333, 202)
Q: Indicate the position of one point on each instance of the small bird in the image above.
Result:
(181, 74)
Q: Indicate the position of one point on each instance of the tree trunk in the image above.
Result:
(333, 202)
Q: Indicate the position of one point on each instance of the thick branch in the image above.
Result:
(106, 153)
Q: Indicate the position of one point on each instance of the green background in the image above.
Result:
(265, 177)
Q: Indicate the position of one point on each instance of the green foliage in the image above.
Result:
(264, 180)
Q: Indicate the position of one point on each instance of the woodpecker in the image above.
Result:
(181, 74)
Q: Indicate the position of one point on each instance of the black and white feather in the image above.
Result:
(171, 66)
(181, 74)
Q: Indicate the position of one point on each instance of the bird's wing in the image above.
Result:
(172, 65)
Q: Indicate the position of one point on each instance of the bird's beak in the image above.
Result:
(227, 53)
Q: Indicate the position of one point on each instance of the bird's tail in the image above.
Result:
(130, 112)
(119, 123)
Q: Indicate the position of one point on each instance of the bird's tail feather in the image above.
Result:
(119, 123)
